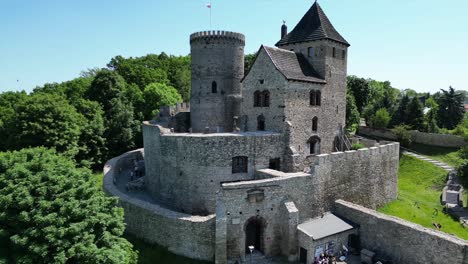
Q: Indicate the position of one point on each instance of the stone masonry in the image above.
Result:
(255, 154)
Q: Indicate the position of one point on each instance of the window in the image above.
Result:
(314, 124)
(310, 52)
(315, 97)
(262, 81)
(239, 164)
(334, 52)
(261, 123)
(214, 87)
(266, 99)
(312, 97)
(262, 99)
(257, 99)
(314, 145)
(343, 54)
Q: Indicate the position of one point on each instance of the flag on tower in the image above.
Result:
(208, 5)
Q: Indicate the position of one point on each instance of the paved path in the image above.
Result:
(435, 162)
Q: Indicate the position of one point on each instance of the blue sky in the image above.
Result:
(418, 44)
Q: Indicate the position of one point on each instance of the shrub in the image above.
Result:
(51, 212)
(403, 135)
(381, 119)
(357, 146)
(463, 152)
(463, 174)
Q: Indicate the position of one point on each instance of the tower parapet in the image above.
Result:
(217, 71)
(217, 35)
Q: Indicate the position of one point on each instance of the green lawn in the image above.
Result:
(446, 155)
(419, 188)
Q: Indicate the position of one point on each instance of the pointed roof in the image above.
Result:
(315, 25)
(293, 66)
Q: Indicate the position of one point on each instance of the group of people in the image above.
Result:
(325, 258)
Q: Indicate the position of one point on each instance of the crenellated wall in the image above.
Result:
(186, 169)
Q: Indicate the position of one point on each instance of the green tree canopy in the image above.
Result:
(381, 119)
(451, 111)
(360, 89)
(415, 115)
(157, 95)
(48, 120)
(352, 113)
(51, 212)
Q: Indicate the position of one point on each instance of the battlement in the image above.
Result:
(170, 111)
(217, 35)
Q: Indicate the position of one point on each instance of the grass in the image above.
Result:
(153, 254)
(420, 185)
(447, 155)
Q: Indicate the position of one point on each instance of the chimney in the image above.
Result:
(284, 30)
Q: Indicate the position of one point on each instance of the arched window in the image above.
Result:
(310, 52)
(314, 124)
(266, 99)
(314, 145)
(261, 123)
(312, 98)
(318, 98)
(240, 164)
(257, 99)
(214, 87)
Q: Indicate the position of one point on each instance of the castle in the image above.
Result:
(257, 158)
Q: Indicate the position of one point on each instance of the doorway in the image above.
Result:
(254, 234)
(303, 256)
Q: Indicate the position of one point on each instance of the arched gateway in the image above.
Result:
(254, 233)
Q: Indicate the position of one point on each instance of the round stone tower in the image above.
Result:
(217, 71)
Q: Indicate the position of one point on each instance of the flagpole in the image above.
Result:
(211, 6)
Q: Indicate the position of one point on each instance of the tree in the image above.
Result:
(381, 119)
(92, 144)
(51, 212)
(352, 113)
(400, 115)
(451, 110)
(8, 103)
(106, 86)
(249, 59)
(109, 90)
(48, 120)
(121, 128)
(415, 115)
(431, 116)
(360, 89)
(157, 95)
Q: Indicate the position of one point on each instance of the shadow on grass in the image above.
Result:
(155, 254)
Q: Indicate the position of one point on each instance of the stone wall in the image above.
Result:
(186, 170)
(442, 140)
(367, 176)
(216, 57)
(402, 241)
(182, 234)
